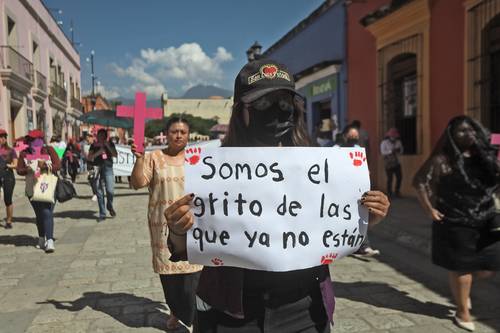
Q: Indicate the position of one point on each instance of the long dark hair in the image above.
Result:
(239, 136)
(447, 156)
(175, 120)
(482, 149)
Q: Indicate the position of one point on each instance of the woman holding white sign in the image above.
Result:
(163, 172)
(267, 112)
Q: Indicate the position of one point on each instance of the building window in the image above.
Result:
(53, 71)
(30, 124)
(399, 82)
(57, 125)
(11, 33)
(40, 120)
(483, 62)
(410, 97)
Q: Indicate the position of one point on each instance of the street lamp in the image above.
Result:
(254, 52)
(92, 74)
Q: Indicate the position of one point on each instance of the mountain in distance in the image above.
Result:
(197, 92)
(202, 91)
(152, 103)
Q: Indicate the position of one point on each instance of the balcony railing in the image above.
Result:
(41, 81)
(11, 59)
(58, 91)
(75, 104)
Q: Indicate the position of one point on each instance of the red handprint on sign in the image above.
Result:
(217, 262)
(358, 157)
(192, 155)
(328, 258)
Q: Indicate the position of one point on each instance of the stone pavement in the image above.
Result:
(100, 277)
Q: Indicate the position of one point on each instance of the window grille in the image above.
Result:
(483, 63)
(400, 91)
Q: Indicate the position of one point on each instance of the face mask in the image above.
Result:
(271, 126)
(351, 142)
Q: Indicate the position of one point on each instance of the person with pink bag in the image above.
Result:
(33, 168)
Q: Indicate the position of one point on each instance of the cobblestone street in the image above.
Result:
(100, 277)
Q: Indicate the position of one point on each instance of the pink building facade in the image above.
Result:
(39, 72)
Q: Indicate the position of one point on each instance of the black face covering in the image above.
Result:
(351, 142)
(271, 126)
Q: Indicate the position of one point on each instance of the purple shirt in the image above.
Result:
(222, 287)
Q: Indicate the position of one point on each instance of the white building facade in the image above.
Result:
(39, 71)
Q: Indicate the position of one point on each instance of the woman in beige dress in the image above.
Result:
(163, 172)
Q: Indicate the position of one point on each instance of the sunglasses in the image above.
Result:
(285, 101)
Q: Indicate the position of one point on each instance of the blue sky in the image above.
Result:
(171, 45)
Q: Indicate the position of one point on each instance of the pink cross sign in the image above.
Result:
(140, 113)
(495, 140)
(37, 155)
(163, 138)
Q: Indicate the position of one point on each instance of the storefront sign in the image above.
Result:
(324, 86)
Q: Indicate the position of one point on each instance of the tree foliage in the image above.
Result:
(197, 124)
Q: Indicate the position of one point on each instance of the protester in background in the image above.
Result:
(364, 140)
(101, 155)
(93, 171)
(455, 187)
(390, 148)
(43, 210)
(83, 143)
(71, 160)
(8, 162)
(325, 132)
(116, 140)
(163, 172)
(350, 138)
(267, 112)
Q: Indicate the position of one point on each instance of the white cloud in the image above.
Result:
(187, 63)
(222, 55)
(109, 93)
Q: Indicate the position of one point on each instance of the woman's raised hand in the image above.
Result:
(179, 217)
(133, 147)
(377, 204)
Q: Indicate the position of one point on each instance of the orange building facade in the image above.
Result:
(416, 65)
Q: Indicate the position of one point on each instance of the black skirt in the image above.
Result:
(464, 248)
(180, 295)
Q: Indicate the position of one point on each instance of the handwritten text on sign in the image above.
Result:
(276, 209)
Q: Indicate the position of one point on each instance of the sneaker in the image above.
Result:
(41, 243)
(112, 212)
(101, 219)
(94, 197)
(49, 246)
(367, 252)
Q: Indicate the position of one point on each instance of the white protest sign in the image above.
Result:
(123, 163)
(275, 209)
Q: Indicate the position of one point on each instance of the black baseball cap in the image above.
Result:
(260, 77)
